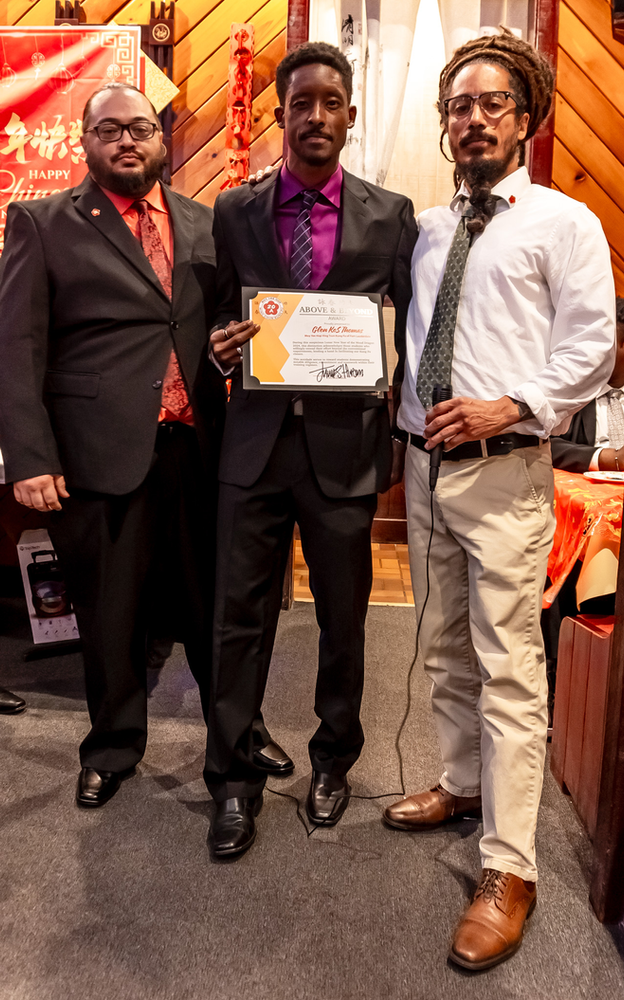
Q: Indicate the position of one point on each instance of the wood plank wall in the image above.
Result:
(200, 66)
(588, 160)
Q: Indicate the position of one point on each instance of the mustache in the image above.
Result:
(481, 136)
(316, 132)
(127, 152)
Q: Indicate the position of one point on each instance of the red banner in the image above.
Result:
(46, 78)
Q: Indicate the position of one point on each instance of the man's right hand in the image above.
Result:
(227, 345)
(41, 493)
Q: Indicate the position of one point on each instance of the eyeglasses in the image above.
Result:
(113, 131)
(494, 104)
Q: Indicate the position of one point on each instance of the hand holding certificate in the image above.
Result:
(314, 341)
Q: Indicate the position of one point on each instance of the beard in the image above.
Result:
(133, 183)
(485, 172)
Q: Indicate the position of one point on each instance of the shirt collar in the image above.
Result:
(154, 199)
(510, 189)
(290, 186)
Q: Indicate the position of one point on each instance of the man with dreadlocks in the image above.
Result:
(513, 312)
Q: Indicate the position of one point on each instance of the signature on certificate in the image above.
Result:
(336, 371)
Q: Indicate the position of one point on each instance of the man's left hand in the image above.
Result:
(463, 419)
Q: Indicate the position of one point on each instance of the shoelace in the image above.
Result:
(493, 885)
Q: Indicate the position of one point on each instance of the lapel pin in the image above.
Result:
(512, 199)
(95, 211)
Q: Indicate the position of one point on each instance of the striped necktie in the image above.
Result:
(615, 418)
(301, 253)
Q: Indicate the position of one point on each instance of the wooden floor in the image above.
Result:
(391, 575)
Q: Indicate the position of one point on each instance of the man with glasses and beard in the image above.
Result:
(513, 311)
(106, 296)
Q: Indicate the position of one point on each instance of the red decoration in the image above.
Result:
(240, 95)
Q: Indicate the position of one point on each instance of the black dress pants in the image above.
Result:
(128, 559)
(254, 531)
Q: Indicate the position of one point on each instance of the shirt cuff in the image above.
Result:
(594, 465)
(224, 371)
(544, 418)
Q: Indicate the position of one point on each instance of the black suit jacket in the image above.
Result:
(86, 333)
(573, 450)
(348, 434)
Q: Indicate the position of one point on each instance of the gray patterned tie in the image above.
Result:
(437, 356)
(301, 253)
(615, 418)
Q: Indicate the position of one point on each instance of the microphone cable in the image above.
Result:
(408, 701)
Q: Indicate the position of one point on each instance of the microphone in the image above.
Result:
(440, 394)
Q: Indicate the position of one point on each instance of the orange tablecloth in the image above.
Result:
(589, 517)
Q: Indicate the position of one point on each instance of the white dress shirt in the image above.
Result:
(536, 317)
(602, 425)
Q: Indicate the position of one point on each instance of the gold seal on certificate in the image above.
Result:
(311, 341)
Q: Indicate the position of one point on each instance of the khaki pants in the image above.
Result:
(481, 637)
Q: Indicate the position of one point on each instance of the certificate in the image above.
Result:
(314, 341)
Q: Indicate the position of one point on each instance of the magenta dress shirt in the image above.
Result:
(325, 218)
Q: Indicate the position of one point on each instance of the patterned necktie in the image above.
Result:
(174, 396)
(615, 418)
(301, 253)
(437, 356)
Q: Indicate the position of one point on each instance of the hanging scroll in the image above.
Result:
(240, 95)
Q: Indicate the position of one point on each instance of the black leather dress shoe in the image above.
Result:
(95, 788)
(328, 798)
(233, 829)
(273, 760)
(10, 704)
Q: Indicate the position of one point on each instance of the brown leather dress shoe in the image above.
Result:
(491, 929)
(427, 810)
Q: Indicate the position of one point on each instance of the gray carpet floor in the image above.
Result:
(123, 903)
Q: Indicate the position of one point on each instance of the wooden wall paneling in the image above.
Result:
(574, 181)
(264, 150)
(101, 11)
(14, 10)
(211, 32)
(618, 274)
(196, 129)
(594, 107)
(135, 12)
(38, 13)
(193, 175)
(585, 49)
(596, 157)
(211, 74)
(596, 15)
(189, 13)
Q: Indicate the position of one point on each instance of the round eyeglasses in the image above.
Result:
(113, 131)
(494, 104)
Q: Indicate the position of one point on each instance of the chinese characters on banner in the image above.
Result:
(46, 78)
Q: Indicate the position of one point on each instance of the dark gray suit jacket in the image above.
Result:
(86, 333)
(573, 450)
(348, 434)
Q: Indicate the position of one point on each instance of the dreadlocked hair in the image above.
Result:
(532, 83)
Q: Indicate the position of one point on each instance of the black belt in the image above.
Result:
(500, 444)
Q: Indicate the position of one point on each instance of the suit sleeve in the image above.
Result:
(26, 435)
(228, 304)
(570, 456)
(400, 290)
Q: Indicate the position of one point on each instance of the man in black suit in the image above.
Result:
(586, 444)
(106, 298)
(315, 458)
